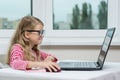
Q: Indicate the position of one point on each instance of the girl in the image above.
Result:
(23, 53)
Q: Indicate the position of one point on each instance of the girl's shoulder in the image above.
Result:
(17, 46)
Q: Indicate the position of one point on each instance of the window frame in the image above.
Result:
(43, 10)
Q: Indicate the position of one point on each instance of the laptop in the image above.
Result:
(98, 65)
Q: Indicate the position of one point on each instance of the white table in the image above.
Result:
(111, 71)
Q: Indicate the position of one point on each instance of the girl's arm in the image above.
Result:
(48, 57)
(16, 58)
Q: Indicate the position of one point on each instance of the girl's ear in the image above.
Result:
(27, 34)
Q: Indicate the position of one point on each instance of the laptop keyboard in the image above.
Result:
(78, 64)
(84, 64)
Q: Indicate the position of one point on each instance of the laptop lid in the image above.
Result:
(105, 46)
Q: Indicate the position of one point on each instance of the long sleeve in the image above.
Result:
(44, 55)
(16, 58)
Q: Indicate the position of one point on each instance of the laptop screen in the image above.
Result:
(105, 46)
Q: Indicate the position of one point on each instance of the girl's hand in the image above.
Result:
(50, 66)
(51, 58)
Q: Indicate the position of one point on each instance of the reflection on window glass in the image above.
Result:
(79, 14)
(11, 11)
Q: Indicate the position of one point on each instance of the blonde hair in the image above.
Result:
(26, 23)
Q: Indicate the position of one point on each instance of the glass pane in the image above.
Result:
(80, 14)
(11, 11)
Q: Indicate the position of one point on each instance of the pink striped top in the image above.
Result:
(16, 57)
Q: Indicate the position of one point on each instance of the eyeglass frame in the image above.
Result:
(40, 32)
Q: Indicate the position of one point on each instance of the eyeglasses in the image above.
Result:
(40, 32)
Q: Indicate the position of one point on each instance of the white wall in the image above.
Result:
(82, 52)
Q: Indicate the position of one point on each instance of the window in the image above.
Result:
(75, 37)
(11, 12)
(80, 14)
